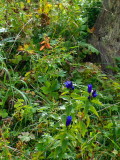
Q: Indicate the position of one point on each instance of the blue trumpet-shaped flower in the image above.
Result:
(94, 94)
(68, 120)
(89, 88)
(69, 85)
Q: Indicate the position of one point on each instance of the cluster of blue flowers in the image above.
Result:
(92, 93)
(69, 85)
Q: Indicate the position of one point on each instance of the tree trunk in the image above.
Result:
(106, 37)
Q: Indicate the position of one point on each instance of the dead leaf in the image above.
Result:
(41, 48)
(91, 30)
(45, 43)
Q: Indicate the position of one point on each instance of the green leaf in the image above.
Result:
(64, 144)
(109, 125)
(89, 46)
(16, 60)
(81, 98)
(61, 73)
(54, 85)
(45, 90)
(86, 109)
(92, 109)
(87, 120)
(83, 128)
(54, 94)
(64, 93)
(65, 97)
(75, 96)
(56, 144)
(26, 136)
(3, 113)
(54, 116)
(96, 101)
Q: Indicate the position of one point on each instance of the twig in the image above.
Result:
(108, 107)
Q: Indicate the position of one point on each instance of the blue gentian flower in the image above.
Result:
(69, 85)
(94, 94)
(89, 88)
(68, 120)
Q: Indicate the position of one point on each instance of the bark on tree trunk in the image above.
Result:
(106, 37)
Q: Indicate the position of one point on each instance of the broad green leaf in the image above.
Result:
(75, 96)
(3, 113)
(47, 84)
(92, 109)
(96, 101)
(45, 90)
(81, 98)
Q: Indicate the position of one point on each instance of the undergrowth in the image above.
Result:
(53, 105)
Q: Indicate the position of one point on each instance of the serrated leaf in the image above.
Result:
(89, 46)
